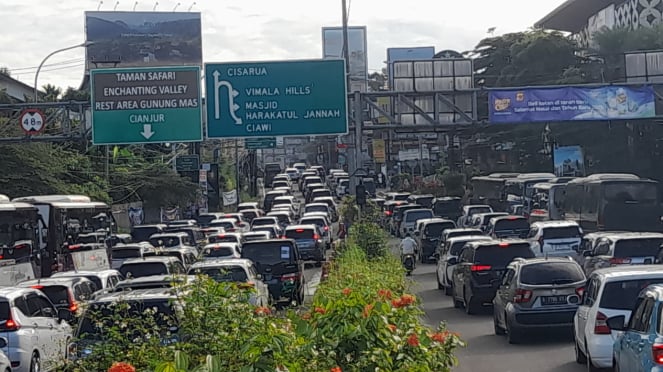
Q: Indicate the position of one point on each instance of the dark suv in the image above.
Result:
(479, 268)
(281, 267)
(537, 294)
(309, 242)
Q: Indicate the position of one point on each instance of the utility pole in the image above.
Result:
(237, 188)
(346, 49)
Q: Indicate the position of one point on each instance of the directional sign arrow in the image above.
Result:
(147, 131)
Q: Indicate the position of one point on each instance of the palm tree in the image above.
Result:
(51, 93)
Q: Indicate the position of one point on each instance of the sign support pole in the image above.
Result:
(237, 169)
(357, 117)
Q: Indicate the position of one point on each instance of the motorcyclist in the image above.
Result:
(408, 246)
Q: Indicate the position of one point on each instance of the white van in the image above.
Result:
(555, 238)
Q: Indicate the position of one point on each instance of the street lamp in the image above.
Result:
(85, 44)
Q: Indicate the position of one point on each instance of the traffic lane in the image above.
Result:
(485, 351)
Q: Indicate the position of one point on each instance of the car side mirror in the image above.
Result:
(617, 323)
(587, 253)
(65, 314)
(259, 276)
(452, 261)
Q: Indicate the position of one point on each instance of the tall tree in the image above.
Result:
(51, 93)
(73, 94)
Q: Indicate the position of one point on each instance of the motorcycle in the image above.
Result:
(408, 263)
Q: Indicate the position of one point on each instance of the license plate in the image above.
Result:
(553, 300)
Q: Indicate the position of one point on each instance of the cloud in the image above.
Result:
(235, 30)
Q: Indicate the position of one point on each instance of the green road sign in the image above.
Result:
(286, 98)
(260, 143)
(187, 163)
(146, 105)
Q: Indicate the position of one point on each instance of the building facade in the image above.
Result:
(583, 18)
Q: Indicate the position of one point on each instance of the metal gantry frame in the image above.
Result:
(65, 121)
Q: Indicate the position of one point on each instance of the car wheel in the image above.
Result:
(511, 334)
(439, 283)
(498, 329)
(581, 358)
(447, 290)
(470, 307)
(35, 363)
(457, 303)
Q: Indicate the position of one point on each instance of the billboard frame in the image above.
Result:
(364, 29)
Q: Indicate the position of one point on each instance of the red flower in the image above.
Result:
(262, 310)
(397, 303)
(413, 340)
(367, 310)
(335, 369)
(320, 310)
(384, 294)
(439, 337)
(407, 299)
(121, 367)
(346, 291)
(392, 327)
(306, 316)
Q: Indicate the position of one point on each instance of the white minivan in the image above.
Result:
(609, 292)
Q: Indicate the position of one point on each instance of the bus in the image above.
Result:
(548, 196)
(18, 233)
(490, 189)
(62, 219)
(613, 202)
(519, 190)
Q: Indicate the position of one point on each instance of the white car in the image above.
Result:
(609, 292)
(555, 238)
(238, 270)
(5, 364)
(103, 279)
(37, 334)
(218, 251)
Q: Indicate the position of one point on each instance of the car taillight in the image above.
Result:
(657, 353)
(316, 237)
(387, 213)
(11, 325)
(326, 228)
(620, 261)
(522, 296)
(600, 325)
(480, 267)
(289, 277)
(73, 304)
(580, 291)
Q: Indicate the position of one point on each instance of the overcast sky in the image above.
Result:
(243, 30)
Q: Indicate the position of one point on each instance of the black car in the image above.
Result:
(309, 242)
(479, 268)
(430, 236)
(281, 267)
(448, 207)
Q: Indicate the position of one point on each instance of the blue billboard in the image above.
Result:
(406, 54)
(569, 161)
(571, 104)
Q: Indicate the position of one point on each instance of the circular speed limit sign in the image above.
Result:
(32, 121)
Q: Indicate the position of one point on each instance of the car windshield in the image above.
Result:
(268, 253)
(319, 193)
(141, 269)
(479, 210)
(437, 228)
(101, 317)
(126, 253)
(218, 252)
(58, 294)
(314, 221)
(551, 273)
(506, 224)
(223, 239)
(142, 234)
(638, 247)
(165, 242)
(222, 274)
(226, 225)
(264, 221)
(561, 232)
(621, 295)
(4, 313)
(316, 208)
(299, 234)
(500, 256)
(626, 192)
(418, 215)
(205, 219)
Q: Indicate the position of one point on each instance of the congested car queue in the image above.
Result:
(541, 275)
(263, 246)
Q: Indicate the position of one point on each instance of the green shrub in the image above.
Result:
(371, 238)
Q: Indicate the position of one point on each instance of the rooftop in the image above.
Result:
(572, 15)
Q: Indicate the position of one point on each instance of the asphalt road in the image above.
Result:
(486, 351)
